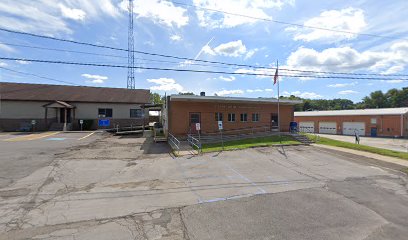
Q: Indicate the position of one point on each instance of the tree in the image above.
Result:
(155, 98)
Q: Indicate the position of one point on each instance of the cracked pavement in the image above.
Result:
(130, 188)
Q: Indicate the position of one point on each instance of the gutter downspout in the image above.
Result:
(402, 125)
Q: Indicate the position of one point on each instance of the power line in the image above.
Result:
(204, 61)
(194, 71)
(38, 76)
(287, 23)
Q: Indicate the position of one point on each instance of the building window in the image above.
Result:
(105, 112)
(218, 116)
(136, 113)
(231, 117)
(373, 120)
(255, 117)
(244, 117)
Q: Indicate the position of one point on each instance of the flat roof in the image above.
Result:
(49, 92)
(354, 112)
(195, 98)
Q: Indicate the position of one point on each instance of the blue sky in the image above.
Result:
(172, 29)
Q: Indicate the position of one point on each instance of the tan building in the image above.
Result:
(384, 122)
(184, 111)
(57, 107)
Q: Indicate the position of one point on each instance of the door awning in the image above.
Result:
(58, 104)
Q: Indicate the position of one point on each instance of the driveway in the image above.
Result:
(396, 144)
(130, 188)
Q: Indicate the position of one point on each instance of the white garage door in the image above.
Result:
(328, 127)
(349, 128)
(307, 127)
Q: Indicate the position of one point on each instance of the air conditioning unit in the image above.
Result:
(101, 115)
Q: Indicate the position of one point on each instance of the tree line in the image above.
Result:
(393, 98)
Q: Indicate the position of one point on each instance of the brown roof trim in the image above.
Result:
(48, 92)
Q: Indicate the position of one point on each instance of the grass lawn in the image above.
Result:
(248, 143)
(337, 143)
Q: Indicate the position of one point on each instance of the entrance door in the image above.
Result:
(373, 132)
(62, 115)
(194, 118)
(274, 121)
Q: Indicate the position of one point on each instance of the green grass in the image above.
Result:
(381, 151)
(248, 143)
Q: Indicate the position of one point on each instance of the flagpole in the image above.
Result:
(277, 66)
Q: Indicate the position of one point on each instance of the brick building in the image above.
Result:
(385, 122)
(183, 111)
(60, 107)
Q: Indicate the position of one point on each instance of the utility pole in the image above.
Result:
(131, 48)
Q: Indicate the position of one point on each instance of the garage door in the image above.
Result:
(349, 128)
(328, 127)
(307, 127)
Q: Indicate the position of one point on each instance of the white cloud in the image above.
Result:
(393, 81)
(165, 84)
(22, 62)
(175, 37)
(98, 79)
(254, 90)
(212, 19)
(159, 11)
(230, 49)
(348, 19)
(250, 53)
(72, 13)
(3, 64)
(347, 59)
(229, 92)
(268, 72)
(268, 90)
(309, 95)
(347, 92)
(6, 48)
(47, 17)
(227, 79)
(340, 85)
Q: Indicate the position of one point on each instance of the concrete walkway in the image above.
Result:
(396, 144)
(398, 161)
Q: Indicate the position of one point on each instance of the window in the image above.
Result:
(373, 120)
(244, 117)
(104, 112)
(136, 113)
(231, 117)
(255, 117)
(218, 116)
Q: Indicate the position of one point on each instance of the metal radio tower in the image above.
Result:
(131, 48)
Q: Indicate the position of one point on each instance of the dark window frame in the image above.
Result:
(136, 115)
(107, 112)
(219, 116)
(231, 117)
(244, 117)
(255, 117)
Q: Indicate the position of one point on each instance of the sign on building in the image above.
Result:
(198, 126)
(220, 125)
(103, 122)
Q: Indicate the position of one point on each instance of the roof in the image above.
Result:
(194, 98)
(46, 92)
(355, 112)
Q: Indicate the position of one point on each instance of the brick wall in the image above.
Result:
(179, 115)
(387, 125)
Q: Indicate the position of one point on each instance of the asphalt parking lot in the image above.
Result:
(108, 187)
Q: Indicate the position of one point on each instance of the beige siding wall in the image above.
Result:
(22, 110)
(90, 110)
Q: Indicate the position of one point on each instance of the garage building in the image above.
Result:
(60, 107)
(384, 122)
(184, 111)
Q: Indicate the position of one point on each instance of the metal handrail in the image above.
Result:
(194, 142)
(173, 140)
